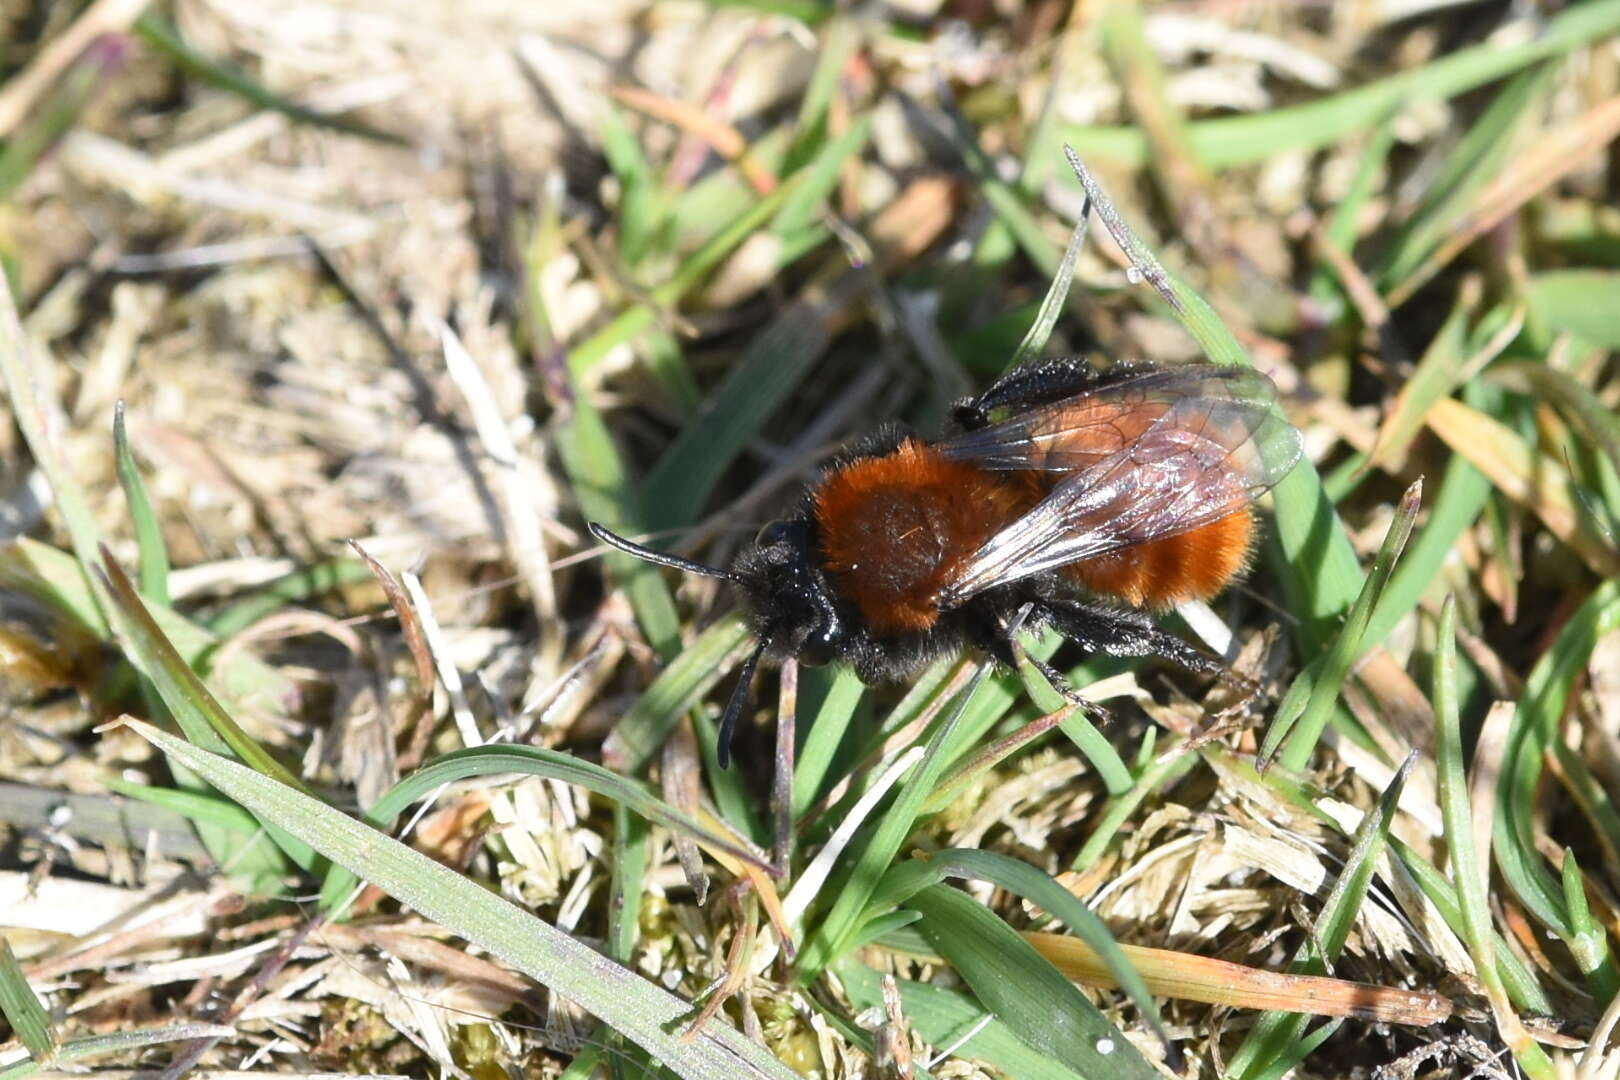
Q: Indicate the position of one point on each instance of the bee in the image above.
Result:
(1063, 496)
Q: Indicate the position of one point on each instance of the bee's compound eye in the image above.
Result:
(772, 534)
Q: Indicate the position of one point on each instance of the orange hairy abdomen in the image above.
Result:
(895, 528)
(1193, 565)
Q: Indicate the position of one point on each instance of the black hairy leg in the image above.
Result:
(1025, 387)
(998, 637)
(1126, 633)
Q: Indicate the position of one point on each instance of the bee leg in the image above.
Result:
(1125, 633)
(1004, 645)
(1060, 683)
(1032, 384)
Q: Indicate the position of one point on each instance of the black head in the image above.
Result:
(787, 595)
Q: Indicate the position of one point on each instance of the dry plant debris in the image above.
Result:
(391, 298)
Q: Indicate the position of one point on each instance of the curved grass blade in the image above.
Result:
(197, 711)
(1022, 989)
(644, 1012)
(953, 1021)
(1057, 294)
(1536, 727)
(495, 760)
(199, 714)
(1036, 886)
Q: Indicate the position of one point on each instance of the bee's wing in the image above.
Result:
(1147, 457)
(1081, 431)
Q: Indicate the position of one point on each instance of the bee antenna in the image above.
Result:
(649, 555)
(740, 698)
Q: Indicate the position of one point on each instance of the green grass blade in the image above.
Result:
(904, 881)
(26, 379)
(1478, 157)
(1434, 377)
(1468, 876)
(54, 579)
(1535, 727)
(1565, 393)
(1578, 301)
(677, 688)
(640, 217)
(52, 117)
(827, 701)
(945, 1018)
(1303, 1047)
(23, 1010)
(1302, 718)
(160, 35)
(1171, 764)
(771, 368)
(495, 760)
(1244, 140)
(1022, 988)
(1319, 567)
(1276, 1035)
(1463, 492)
(732, 796)
(591, 461)
(1057, 294)
(199, 714)
(832, 935)
(154, 553)
(1345, 222)
(124, 1043)
(636, 319)
(838, 40)
(1007, 203)
(204, 721)
(643, 1012)
(821, 176)
(1521, 986)
(1586, 939)
(260, 861)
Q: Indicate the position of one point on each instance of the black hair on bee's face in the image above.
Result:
(787, 593)
(787, 596)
